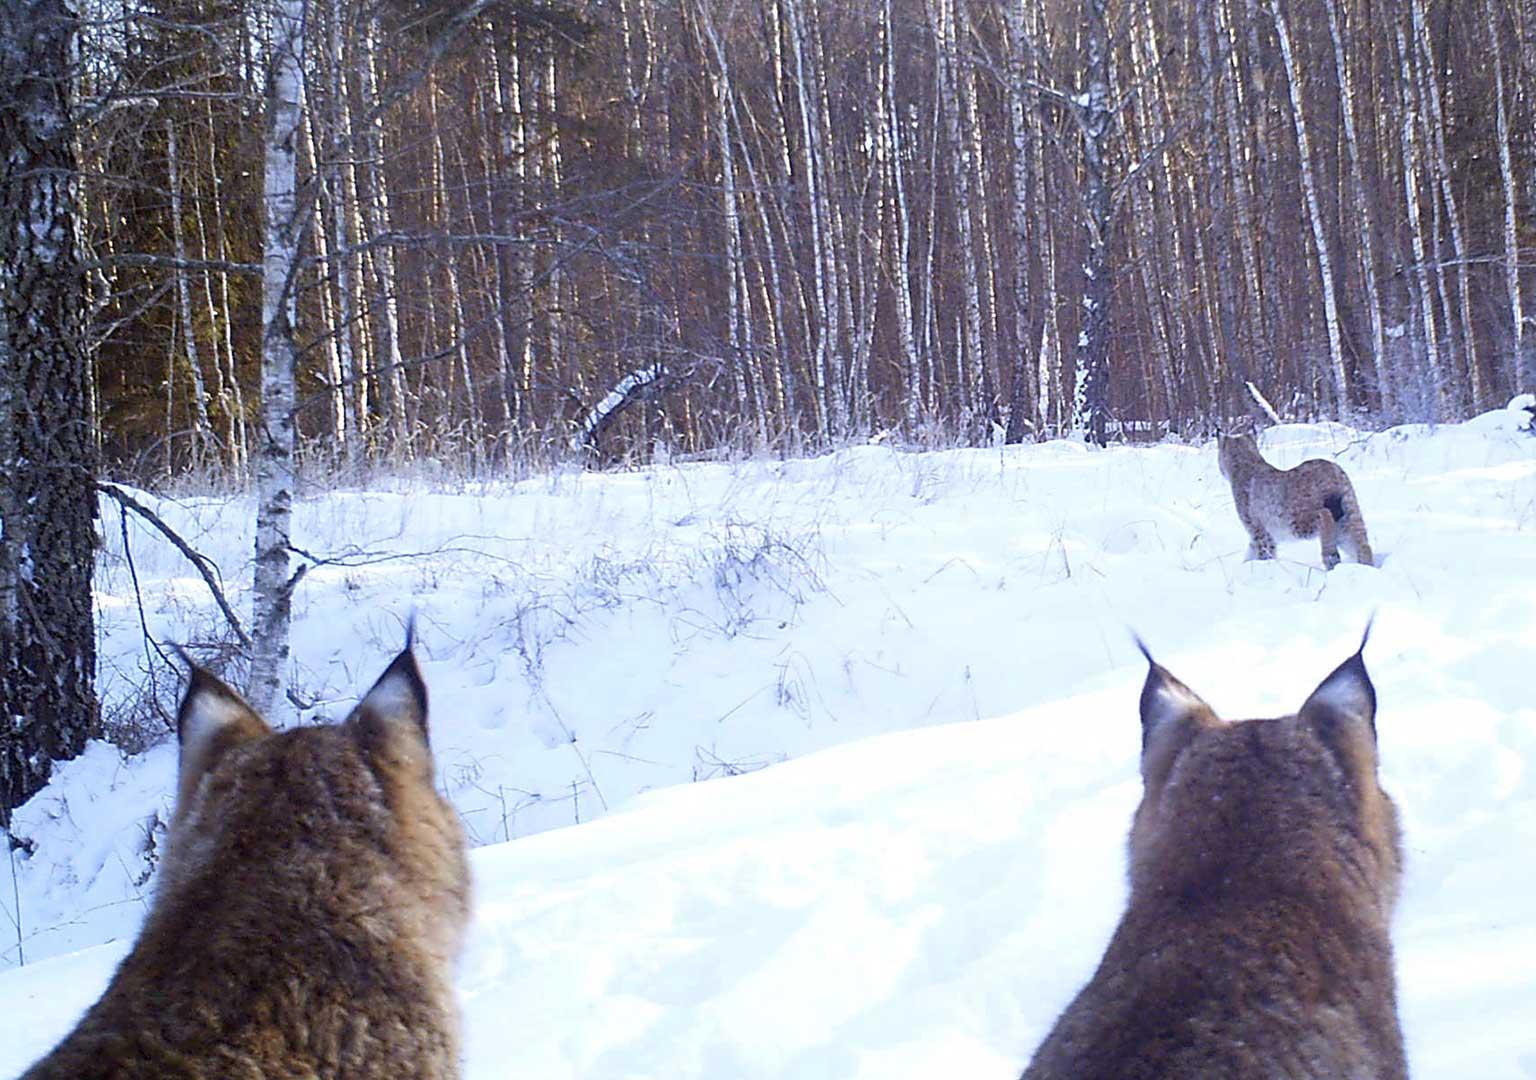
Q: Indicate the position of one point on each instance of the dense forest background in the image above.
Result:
(781, 223)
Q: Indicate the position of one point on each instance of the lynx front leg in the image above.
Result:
(1260, 544)
(1327, 532)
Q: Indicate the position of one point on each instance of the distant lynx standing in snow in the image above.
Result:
(1313, 499)
(311, 902)
(1264, 866)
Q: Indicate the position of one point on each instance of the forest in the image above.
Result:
(786, 223)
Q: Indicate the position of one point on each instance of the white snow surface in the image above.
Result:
(931, 651)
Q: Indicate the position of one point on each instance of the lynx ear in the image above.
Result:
(1345, 700)
(399, 696)
(1170, 713)
(212, 719)
(390, 723)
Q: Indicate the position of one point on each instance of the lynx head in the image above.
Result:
(357, 797)
(1233, 448)
(1264, 807)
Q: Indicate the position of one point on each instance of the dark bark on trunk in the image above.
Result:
(48, 702)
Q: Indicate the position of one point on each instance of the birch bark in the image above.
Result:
(281, 230)
(1314, 214)
(48, 455)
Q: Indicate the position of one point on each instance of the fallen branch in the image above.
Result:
(636, 386)
(204, 565)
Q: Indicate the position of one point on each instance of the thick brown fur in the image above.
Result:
(1313, 499)
(308, 911)
(1264, 866)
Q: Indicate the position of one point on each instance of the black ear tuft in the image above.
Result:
(1142, 645)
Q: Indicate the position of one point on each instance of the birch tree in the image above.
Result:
(1314, 214)
(48, 462)
(283, 225)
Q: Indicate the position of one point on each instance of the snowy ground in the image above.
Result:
(939, 642)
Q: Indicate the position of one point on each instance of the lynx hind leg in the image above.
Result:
(1327, 532)
(1354, 540)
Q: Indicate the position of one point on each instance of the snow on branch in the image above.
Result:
(636, 386)
(1263, 403)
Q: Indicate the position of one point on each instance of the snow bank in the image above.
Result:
(922, 888)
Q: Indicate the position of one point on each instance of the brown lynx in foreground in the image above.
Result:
(1313, 499)
(1264, 865)
(312, 899)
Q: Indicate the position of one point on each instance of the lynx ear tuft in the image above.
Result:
(212, 719)
(399, 696)
(1346, 695)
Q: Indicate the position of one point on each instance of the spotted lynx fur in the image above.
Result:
(1264, 867)
(310, 904)
(1313, 499)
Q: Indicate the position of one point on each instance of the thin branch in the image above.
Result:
(204, 566)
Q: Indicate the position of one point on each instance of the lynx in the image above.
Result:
(1313, 499)
(1264, 867)
(310, 905)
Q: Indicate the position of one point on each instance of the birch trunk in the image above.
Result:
(1022, 409)
(1365, 230)
(48, 461)
(1092, 112)
(1241, 206)
(351, 395)
(901, 221)
(738, 323)
(379, 221)
(1516, 374)
(455, 294)
(272, 591)
(829, 417)
(1440, 161)
(1230, 364)
(1314, 214)
(970, 364)
(234, 404)
(1410, 169)
(201, 427)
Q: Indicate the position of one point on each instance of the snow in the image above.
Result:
(932, 652)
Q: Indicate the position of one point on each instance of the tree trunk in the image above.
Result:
(1365, 230)
(829, 401)
(1434, 116)
(1022, 411)
(1314, 215)
(282, 227)
(901, 219)
(1090, 407)
(1435, 370)
(378, 216)
(48, 462)
(201, 427)
(1511, 202)
(971, 361)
